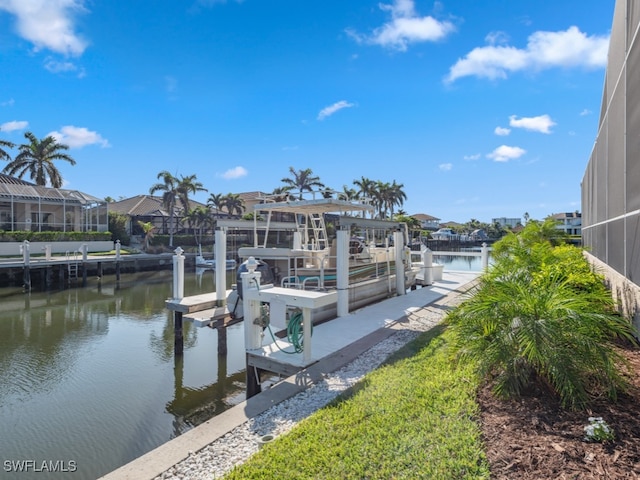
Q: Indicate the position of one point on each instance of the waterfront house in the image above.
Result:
(150, 208)
(427, 222)
(25, 206)
(569, 222)
(507, 222)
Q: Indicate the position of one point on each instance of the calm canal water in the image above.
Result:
(88, 379)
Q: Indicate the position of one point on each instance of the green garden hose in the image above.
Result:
(295, 333)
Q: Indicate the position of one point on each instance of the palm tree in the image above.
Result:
(381, 196)
(199, 219)
(149, 231)
(36, 158)
(170, 193)
(349, 193)
(216, 201)
(234, 204)
(187, 185)
(366, 189)
(396, 197)
(5, 144)
(302, 180)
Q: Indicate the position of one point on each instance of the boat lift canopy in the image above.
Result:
(307, 207)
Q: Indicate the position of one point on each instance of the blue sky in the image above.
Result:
(481, 109)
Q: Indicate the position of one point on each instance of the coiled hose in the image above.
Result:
(295, 333)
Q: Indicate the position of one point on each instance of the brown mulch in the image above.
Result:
(534, 438)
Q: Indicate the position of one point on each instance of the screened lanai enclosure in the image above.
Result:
(28, 207)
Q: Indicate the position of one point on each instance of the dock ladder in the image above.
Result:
(316, 221)
(72, 265)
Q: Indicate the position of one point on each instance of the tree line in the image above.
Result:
(36, 158)
(176, 190)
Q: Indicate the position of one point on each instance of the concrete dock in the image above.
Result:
(335, 344)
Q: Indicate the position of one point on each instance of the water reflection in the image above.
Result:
(89, 374)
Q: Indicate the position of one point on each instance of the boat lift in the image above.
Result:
(279, 299)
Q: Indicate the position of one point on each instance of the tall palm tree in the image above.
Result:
(366, 190)
(170, 193)
(187, 185)
(302, 180)
(216, 201)
(381, 197)
(5, 144)
(396, 196)
(37, 157)
(199, 219)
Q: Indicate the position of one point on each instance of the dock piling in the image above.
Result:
(178, 294)
(26, 257)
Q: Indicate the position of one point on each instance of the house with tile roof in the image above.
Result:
(427, 222)
(150, 208)
(25, 206)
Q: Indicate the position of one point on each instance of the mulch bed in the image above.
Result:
(534, 438)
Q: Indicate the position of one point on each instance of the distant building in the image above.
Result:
(427, 222)
(507, 222)
(249, 199)
(149, 208)
(611, 182)
(31, 207)
(570, 223)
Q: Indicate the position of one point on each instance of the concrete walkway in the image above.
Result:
(384, 318)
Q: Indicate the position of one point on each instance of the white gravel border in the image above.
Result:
(220, 456)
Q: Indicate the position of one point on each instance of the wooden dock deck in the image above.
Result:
(201, 310)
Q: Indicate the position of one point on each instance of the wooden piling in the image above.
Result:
(178, 345)
(27, 278)
(253, 380)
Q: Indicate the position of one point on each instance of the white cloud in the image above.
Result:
(445, 167)
(48, 24)
(504, 153)
(331, 109)
(475, 156)
(235, 172)
(541, 123)
(8, 103)
(404, 27)
(496, 38)
(568, 48)
(78, 137)
(55, 66)
(14, 125)
(585, 112)
(501, 131)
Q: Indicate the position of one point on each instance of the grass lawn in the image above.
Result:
(414, 417)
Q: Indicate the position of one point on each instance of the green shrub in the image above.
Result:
(118, 227)
(52, 236)
(541, 317)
